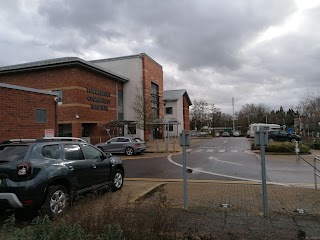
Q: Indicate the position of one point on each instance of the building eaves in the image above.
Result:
(125, 57)
(15, 87)
(58, 62)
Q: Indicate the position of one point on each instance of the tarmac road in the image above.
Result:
(221, 158)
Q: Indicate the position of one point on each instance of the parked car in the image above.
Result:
(127, 145)
(236, 134)
(225, 134)
(281, 136)
(47, 174)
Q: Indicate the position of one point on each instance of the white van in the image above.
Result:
(255, 126)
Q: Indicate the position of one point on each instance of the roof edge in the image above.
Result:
(50, 63)
(141, 55)
(16, 87)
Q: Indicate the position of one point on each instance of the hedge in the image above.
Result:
(283, 147)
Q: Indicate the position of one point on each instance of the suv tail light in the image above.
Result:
(24, 169)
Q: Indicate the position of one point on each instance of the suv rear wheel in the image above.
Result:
(129, 151)
(57, 201)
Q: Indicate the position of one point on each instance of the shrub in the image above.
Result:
(44, 228)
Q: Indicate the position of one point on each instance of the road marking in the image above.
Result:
(222, 175)
(188, 150)
(218, 160)
(222, 150)
(234, 151)
(225, 141)
(210, 150)
(198, 150)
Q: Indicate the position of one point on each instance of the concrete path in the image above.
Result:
(245, 213)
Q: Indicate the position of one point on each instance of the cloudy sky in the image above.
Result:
(257, 51)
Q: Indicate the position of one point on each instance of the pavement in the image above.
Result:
(233, 207)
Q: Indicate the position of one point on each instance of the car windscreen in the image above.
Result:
(139, 140)
(10, 153)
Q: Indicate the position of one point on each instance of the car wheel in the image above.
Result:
(117, 180)
(270, 140)
(57, 201)
(129, 151)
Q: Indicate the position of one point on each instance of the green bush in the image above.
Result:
(314, 145)
(283, 147)
(44, 228)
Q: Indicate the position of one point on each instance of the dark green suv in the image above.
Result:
(48, 173)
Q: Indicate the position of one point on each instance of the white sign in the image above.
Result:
(49, 133)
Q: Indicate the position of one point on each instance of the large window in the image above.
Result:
(155, 100)
(41, 115)
(120, 105)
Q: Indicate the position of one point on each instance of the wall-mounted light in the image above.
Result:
(77, 116)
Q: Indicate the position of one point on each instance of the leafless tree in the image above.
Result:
(142, 109)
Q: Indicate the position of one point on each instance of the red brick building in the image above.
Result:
(88, 94)
(95, 98)
(26, 112)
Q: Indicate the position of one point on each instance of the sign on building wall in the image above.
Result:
(49, 133)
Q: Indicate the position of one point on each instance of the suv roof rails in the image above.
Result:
(46, 139)
(18, 140)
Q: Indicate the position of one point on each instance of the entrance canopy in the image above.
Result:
(164, 121)
(118, 123)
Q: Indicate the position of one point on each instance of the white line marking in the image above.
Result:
(210, 150)
(218, 160)
(198, 150)
(188, 150)
(223, 175)
(234, 151)
(222, 150)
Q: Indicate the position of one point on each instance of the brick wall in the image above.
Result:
(18, 114)
(152, 73)
(74, 81)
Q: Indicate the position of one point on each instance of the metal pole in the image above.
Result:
(297, 152)
(315, 173)
(184, 174)
(263, 173)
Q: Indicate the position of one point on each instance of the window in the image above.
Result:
(113, 140)
(168, 110)
(170, 127)
(41, 115)
(51, 151)
(123, 140)
(120, 105)
(59, 95)
(155, 100)
(73, 152)
(132, 129)
(91, 152)
(13, 152)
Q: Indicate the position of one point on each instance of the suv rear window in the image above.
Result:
(10, 153)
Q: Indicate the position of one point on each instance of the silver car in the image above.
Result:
(127, 145)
